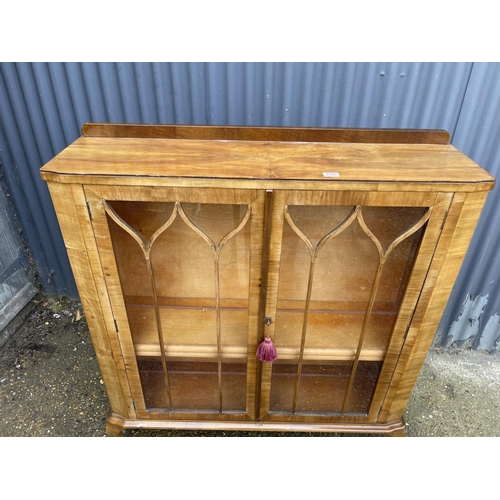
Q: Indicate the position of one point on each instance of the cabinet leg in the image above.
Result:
(397, 428)
(114, 430)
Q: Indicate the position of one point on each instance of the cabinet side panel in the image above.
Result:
(456, 235)
(71, 210)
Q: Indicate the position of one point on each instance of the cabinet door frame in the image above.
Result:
(255, 199)
(438, 205)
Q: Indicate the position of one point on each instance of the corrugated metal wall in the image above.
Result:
(472, 315)
(43, 105)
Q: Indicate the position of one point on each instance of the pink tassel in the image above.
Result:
(266, 351)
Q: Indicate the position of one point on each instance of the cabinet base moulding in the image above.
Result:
(116, 425)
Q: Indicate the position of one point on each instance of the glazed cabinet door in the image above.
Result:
(182, 270)
(345, 273)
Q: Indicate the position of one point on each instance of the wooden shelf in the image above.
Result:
(189, 334)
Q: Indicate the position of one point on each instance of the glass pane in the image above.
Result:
(353, 304)
(186, 297)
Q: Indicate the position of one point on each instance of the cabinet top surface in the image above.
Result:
(94, 159)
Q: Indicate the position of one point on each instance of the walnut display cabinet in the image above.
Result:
(192, 244)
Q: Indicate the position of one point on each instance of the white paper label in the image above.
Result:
(331, 174)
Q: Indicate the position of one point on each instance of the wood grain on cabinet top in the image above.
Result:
(99, 158)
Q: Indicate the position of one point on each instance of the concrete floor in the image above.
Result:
(456, 394)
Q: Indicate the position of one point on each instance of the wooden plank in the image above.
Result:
(264, 184)
(147, 194)
(209, 422)
(225, 133)
(9, 313)
(364, 198)
(100, 157)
